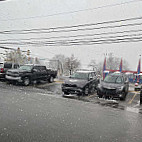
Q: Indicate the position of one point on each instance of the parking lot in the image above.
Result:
(131, 103)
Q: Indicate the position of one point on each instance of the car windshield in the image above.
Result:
(113, 79)
(79, 75)
(27, 68)
(8, 65)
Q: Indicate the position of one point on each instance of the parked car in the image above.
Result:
(115, 85)
(80, 83)
(137, 87)
(29, 73)
(5, 66)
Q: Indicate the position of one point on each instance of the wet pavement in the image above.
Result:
(40, 114)
(131, 103)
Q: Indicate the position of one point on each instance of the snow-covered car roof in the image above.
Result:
(84, 71)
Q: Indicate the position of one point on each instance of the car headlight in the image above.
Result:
(120, 88)
(99, 85)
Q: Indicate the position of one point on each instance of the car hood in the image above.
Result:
(110, 85)
(17, 71)
(77, 82)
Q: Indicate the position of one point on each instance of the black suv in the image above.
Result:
(27, 74)
(5, 66)
(115, 85)
(80, 83)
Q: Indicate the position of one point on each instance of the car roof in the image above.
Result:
(32, 65)
(116, 74)
(85, 71)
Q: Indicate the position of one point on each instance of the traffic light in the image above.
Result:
(28, 52)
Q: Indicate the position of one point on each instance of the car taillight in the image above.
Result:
(1, 70)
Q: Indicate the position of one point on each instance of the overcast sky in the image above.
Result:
(37, 14)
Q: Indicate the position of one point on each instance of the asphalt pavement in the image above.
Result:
(39, 114)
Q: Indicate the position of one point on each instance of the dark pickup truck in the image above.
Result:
(30, 73)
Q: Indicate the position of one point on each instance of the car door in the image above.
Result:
(36, 73)
(43, 72)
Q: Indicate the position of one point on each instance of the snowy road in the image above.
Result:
(29, 114)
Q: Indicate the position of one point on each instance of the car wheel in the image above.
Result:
(92, 90)
(26, 81)
(86, 91)
(51, 79)
(64, 94)
(123, 96)
(99, 95)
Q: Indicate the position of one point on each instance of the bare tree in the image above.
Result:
(58, 63)
(113, 63)
(93, 64)
(100, 68)
(125, 65)
(16, 57)
(56, 60)
(72, 64)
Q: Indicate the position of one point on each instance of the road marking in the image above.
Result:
(134, 91)
(132, 98)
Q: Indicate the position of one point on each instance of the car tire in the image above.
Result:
(92, 90)
(51, 79)
(99, 95)
(86, 91)
(26, 81)
(64, 94)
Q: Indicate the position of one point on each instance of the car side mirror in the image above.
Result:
(126, 81)
(90, 78)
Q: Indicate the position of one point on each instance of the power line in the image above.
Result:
(71, 12)
(103, 27)
(7, 48)
(135, 39)
(126, 35)
(82, 39)
(104, 42)
(80, 35)
(74, 26)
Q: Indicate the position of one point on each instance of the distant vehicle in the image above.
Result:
(30, 73)
(5, 66)
(115, 85)
(137, 87)
(80, 83)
